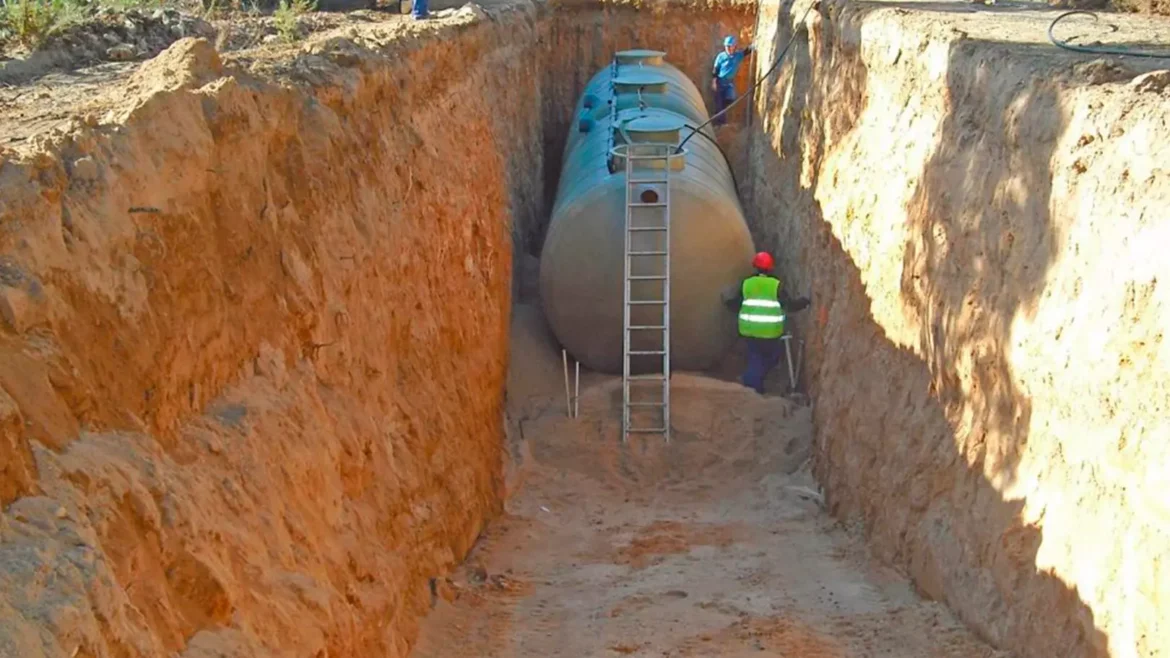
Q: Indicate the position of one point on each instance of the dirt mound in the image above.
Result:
(189, 63)
(107, 36)
(720, 429)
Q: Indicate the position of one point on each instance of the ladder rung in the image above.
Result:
(647, 205)
(646, 430)
(648, 277)
(647, 326)
(637, 181)
(637, 352)
(647, 378)
(646, 228)
(646, 302)
(647, 404)
(647, 253)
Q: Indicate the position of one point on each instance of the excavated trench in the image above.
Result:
(274, 381)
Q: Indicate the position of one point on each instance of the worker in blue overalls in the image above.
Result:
(723, 75)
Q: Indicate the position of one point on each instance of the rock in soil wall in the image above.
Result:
(981, 222)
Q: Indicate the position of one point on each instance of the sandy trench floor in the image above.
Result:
(715, 545)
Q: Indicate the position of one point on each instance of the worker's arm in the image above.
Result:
(742, 55)
(792, 305)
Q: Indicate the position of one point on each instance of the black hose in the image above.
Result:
(751, 89)
(730, 169)
(1094, 51)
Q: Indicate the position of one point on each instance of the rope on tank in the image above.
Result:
(612, 112)
(612, 118)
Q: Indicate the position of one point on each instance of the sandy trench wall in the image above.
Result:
(254, 346)
(978, 224)
(255, 330)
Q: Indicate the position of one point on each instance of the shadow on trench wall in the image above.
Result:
(904, 437)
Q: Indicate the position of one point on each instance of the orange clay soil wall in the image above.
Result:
(982, 224)
(254, 349)
(254, 330)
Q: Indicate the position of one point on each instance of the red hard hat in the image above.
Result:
(763, 261)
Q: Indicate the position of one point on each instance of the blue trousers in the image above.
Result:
(724, 95)
(762, 355)
(419, 8)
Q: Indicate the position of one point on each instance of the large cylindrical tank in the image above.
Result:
(641, 98)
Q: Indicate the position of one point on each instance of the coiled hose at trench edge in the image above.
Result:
(751, 89)
(1091, 50)
(1094, 51)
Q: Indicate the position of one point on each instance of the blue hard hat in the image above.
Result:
(729, 40)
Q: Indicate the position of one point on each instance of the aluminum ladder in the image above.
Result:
(646, 284)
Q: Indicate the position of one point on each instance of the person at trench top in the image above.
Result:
(762, 302)
(723, 75)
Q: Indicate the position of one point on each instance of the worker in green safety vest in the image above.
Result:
(762, 303)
